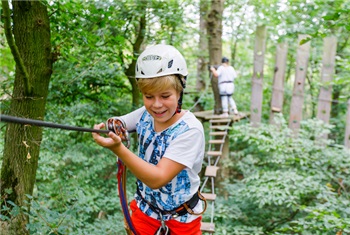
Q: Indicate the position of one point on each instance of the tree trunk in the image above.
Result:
(296, 106)
(130, 71)
(258, 76)
(214, 27)
(202, 62)
(31, 30)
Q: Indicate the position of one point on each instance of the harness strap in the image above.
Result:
(185, 208)
(226, 95)
(226, 82)
(190, 211)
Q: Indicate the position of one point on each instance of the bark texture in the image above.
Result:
(214, 27)
(31, 31)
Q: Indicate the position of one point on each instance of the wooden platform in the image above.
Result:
(209, 114)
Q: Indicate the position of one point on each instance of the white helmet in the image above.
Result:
(160, 60)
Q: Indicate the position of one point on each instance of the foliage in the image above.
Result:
(283, 184)
(289, 186)
(284, 21)
(76, 189)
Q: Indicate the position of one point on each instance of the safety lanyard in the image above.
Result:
(118, 127)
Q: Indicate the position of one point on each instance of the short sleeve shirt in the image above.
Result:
(226, 74)
(182, 142)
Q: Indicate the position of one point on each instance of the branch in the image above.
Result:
(14, 49)
(275, 224)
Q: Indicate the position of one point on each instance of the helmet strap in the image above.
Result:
(179, 103)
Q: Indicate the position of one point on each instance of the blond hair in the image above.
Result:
(156, 84)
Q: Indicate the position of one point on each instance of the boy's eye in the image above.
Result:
(165, 96)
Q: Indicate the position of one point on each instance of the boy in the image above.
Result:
(171, 147)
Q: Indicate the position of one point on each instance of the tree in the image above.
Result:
(29, 40)
(202, 54)
(214, 24)
(140, 34)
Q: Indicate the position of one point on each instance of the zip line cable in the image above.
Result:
(12, 119)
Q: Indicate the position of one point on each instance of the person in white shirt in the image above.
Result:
(226, 75)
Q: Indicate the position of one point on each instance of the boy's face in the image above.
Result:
(162, 105)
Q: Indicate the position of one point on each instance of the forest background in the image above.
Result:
(276, 185)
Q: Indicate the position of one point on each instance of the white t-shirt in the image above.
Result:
(226, 77)
(226, 74)
(182, 142)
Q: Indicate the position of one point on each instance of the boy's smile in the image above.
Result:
(162, 106)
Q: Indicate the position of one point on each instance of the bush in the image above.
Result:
(282, 184)
(76, 189)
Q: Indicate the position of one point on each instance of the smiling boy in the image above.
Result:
(171, 147)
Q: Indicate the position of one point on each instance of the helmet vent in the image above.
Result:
(170, 63)
(159, 71)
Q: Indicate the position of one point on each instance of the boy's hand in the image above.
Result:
(110, 142)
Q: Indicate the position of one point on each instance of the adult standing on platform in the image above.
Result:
(226, 75)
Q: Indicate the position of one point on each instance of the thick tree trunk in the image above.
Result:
(31, 30)
(214, 24)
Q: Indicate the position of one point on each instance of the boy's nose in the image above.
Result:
(157, 103)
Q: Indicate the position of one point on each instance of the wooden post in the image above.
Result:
(258, 75)
(278, 80)
(296, 107)
(325, 96)
(347, 131)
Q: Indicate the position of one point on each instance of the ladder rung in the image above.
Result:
(214, 153)
(218, 133)
(211, 171)
(208, 227)
(216, 141)
(221, 127)
(219, 120)
(209, 196)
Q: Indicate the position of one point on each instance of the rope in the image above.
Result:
(121, 176)
(120, 129)
(203, 92)
(27, 121)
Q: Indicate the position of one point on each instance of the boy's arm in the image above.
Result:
(154, 176)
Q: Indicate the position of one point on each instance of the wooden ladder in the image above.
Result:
(218, 132)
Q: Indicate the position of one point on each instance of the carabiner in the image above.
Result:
(118, 126)
(163, 229)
